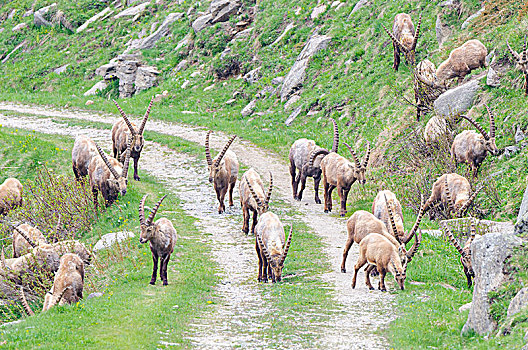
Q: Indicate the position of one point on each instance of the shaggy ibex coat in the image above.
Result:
(340, 173)
(76, 247)
(223, 172)
(424, 91)
(270, 246)
(299, 157)
(462, 60)
(471, 147)
(123, 131)
(253, 198)
(521, 62)
(10, 195)
(43, 257)
(68, 284)
(25, 238)
(404, 38)
(161, 236)
(379, 252)
(465, 253)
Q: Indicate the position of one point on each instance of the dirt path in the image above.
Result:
(359, 311)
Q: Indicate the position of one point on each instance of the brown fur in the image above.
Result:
(68, 284)
(45, 256)
(435, 130)
(521, 62)
(404, 38)
(462, 60)
(379, 209)
(76, 247)
(20, 245)
(247, 200)
(10, 195)
(465, 252)
(459, 189)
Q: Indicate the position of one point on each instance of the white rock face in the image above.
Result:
(457, 100)
(19, 27)
(97, 87)
(248, 110)
(111, 238)
(132, 11)
(518, 303)
(93, 19)
(317, 11)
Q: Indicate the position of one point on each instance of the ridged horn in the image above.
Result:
(515, 55)
(127, 156)
(226, 147)
(3, 260)
(316, 153)
(417, 33)
(356, 160)
(335, 144)
(105, 160)
(524, 51)
(287, 246)
(268, 195)
(492, 121)
(472, 232)
(453, 240)
(55, 301)
(367, 156)
(393, 223)
(155, 211)
(125, 118)
(26, 237)
(208, 150)
(24, 302)
(255, 197)
(394, 40)
(469, 201)
(145, 117)
(415, 246)
(414, 229)
(141, 210)
(263, 248)
(478, 126)
(449, 199)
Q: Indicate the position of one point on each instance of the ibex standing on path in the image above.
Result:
(270, 246)
(253, 197)
(404, 38)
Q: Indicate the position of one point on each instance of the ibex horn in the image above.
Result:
(145, 117)
(263, 248)
(356, 160)
(222, 154)
(105, 160)
(417, 33)
(492, 121)
(257, 199)
(367, 156)
(396, 41)
(453, 240)
(316, 153)
(268, 195)
(26, 237)
(25, 304)
(415, 246)
(155, 211)
(469, 201)
(142, 210)
(207, 150)
(515, 55)
(478, 126)
(287, 246)
(3, 260)
(125, 118)
(393, 223)
(55, 301)
(414, 229)
(335, 145)
(127, 157)
(449, 199)
(524, 51)
(472, 231)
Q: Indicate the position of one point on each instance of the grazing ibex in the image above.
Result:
(44, 256)
(253, 197)
(341, 173)
(404, 38)
(76, 247)
(300, 160)
(452, 191)
(161, 236)
(10, 195)
(223, 171)
(270, 246)
(122, 131)
(68, 284)
(462, 60)
(521, 62)
(424, 93)
(380, 253)
(25, 238)
(465, 253)
(471, 147)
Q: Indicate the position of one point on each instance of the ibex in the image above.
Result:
(452, 191)
(253, 197)
(341, 173)
(68, 284)
(424, 93)
(270, 247)
(300, 160)
(76, 247)
(223, 172)
(122, 131)
(521, 62)
(404, 38)
(161, 236)
(471, 147)
(45, 256)
(10, 195)
(465, 253)
(462, 60)
(380, 253)
(25, 238)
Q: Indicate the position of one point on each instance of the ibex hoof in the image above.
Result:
(371, 288)
(326, 211)
(317, 201)
(296, 198)
(137, 178)
(165, 283)
(152, 282)
(342, 215)
(343, 270)
(383, 290)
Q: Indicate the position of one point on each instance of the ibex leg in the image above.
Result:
(260, 266)
(367, 276)
(317, 180)
(348, 244)
(360, 263)
(154, 268)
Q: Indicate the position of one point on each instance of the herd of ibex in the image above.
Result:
(380, 234)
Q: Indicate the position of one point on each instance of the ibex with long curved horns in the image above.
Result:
(341, 173)
(521, 62)
(68, 284)
(10, 195)
(471, 147)
(253, 197)
(404, 38)
(122, 131)
(25, 238)
(161, 236)
(300, 160)
(465, 253)
(270, 246)
(452, 191)
(223, 171)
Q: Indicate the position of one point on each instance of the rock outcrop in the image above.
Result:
(521, 226)
(218, 11)
(458, 100)
(110, 239)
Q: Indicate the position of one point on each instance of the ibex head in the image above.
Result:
(407, 44)
(118, 184)
(262, 207)
(360, 167)
(459, 206)
(465, 254)
(489, 140)
(276, 261)
(399, 274)
(148, 228)
(214, 167)
(137, 134)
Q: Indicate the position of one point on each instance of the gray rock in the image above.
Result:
(289, 27)
(521, 227)
(293, 115)
(126, 72)
(457, 100)
(490, 58)
(94, 18)
(28, 13)
(464, 307)
(185, 84)
(12, 323)
(61, 69)
(181, 66)
(163, 30)
(243, 34)
(249, 109)
(38, 16)
(291, 101)
(443, 31)
(449, 3)
(146, 77)
(97, 87)
(472, 17)
(492, 78)
(221, 10)
(202, 22)
(519, 135)
(519, 302)
(277, 80)
(132, 11)
(359, 5)
(297, 73)
(526, 337)
(184, 42)
(510, 151)
(252, 76)
(95, 295)
(488, 255)
(111, 238)
(2, 30)
(20, 27)
(318, 11)
(106, 69)
(11, 14)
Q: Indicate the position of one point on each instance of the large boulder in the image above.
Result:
(221, 10)
(110, 239)
(443, 31)
(163, 30)
(97, 87)
(518, 303)
(126, 72)
(132, 11)
(202, 22)
(297, 73)
(521, 227)
(146, 77)
(488, 254)
(458, 100)
(39, 16)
